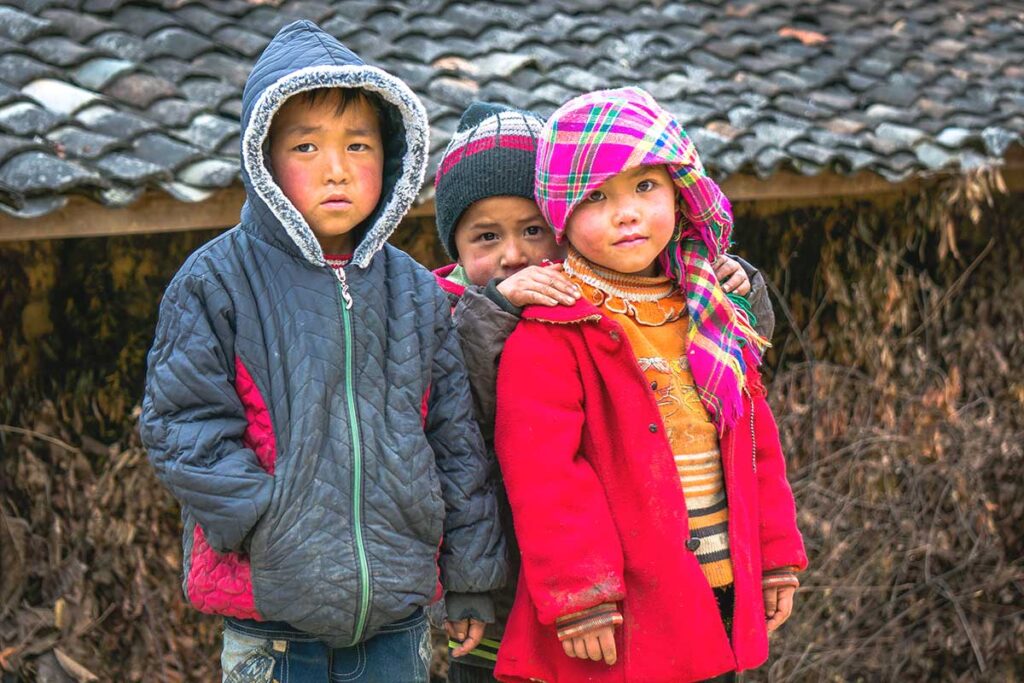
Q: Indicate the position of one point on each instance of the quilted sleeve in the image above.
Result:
(193, 420)
(483, 327)
(760, 302)
(473, 558)
(570, 545)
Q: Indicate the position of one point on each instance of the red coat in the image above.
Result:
(600, 515)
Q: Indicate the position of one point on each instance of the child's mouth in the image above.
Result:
(336, 203)
(631, 241)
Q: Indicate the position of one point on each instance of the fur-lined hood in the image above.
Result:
(303, 57)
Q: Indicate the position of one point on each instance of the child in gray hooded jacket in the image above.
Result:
(306, 400)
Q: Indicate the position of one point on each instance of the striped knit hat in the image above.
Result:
(596, 136)
(492, 154)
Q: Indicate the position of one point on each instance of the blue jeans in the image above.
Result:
(261, 652)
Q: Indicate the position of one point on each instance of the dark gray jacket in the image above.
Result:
(318, 429)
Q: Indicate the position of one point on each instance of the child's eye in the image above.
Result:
(305, 147)
(487, 236)
(533, 230)
(358, 147)
(595, 196)
(645, 186)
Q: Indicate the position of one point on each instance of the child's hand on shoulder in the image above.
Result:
(595, 645)
(546, 286)
(778, 605)
(732, 276)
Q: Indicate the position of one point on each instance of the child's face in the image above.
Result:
(499, 236)
(625, 223)
(329, 165)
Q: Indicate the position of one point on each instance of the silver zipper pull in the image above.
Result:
(340, 274)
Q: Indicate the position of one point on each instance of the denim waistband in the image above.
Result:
(280, 630)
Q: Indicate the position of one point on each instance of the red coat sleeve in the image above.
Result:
(571, 551)
(781, 542)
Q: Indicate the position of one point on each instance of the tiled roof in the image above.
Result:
(108, 98)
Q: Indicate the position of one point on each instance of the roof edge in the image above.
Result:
(158, 212)
(155, 212)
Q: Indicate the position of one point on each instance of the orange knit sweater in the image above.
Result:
(652, 312)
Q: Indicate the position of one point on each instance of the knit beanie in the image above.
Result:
(492, 153)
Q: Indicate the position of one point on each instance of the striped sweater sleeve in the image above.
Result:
(585, 621)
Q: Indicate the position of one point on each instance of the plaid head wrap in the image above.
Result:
(596, 136)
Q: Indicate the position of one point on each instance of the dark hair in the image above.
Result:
(343, 98)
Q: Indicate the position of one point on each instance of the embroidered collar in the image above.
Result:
(649, 301)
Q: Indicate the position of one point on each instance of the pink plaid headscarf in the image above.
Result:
(596, 136)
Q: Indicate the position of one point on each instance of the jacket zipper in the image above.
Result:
(357, 478)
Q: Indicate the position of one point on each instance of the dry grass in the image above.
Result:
(899, 390)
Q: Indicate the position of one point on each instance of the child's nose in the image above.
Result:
(626, 213)
(336, 170)
(513, 256)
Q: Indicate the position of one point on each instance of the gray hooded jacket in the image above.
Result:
(317, 428)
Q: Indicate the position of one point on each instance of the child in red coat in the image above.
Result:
(489, 223)
(647, 484)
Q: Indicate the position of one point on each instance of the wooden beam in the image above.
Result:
(790, 186)
(155, 212)
(787, 185)
(158, 212)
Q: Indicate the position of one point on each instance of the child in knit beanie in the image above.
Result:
(487, 219)
(656, 527)
(506, 257)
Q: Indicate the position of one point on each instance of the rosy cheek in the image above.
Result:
(296, 181)
(670, 214)
(369, 178)
(479, 268)
(477, 262)
(589, 230)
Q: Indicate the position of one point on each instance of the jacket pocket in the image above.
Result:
(246, 659)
